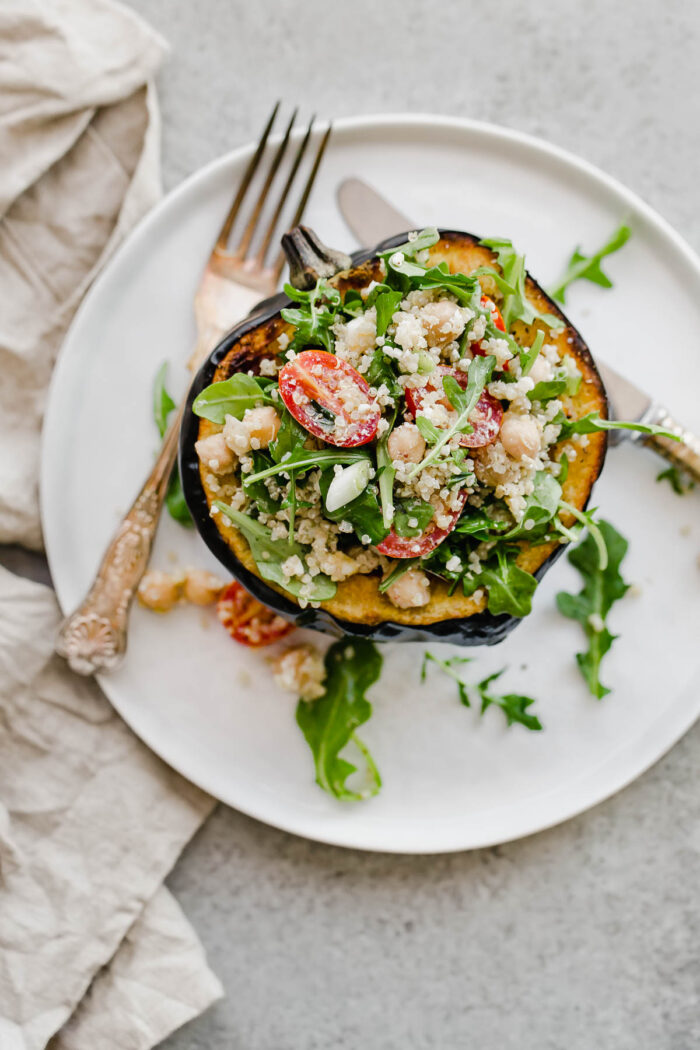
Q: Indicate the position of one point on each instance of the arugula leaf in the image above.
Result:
(315, 315)
(329, 723)
(397, 572)
(530, 355)
(425, 239)
(680, 482)
(513, 705)
(302, 459)
(231, 397)
(516, 306)
(479, 525)
(587, 267)
(270, 554)
(385, 476)
(290, 438)
(386, 306)
(431, 434)
(363, 512)
(602, 587)
(412, 510)
(480, 370)
(592, 423)
(510, 588)
(540, 507)
(380, 371)
(259, 491)
(163, 404)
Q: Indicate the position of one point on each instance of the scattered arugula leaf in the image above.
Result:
(230, 397)
(480, 370)
(513, 705)
(397, 572)
(529, 356)
(540, 507)
(602, 587)
(329, 723)
(592, 423)
(510, 588)
(380, 371)
(270, 555)
(430, 433)
(680, 482)
(386, 306)
(587, 267)
(314, 316)
(302, 459)
(385, 475)
(408, 510)
(516, 306)
(163, 405)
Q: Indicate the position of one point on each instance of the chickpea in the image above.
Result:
(237, 435)
(407, 443)
(410, 591)
(300, 670)
(520, 435)
(160, 591)
(442, 322)
(262, 425)
(201, 587)
(215, 453)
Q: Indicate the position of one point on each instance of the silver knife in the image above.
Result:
(371, 219)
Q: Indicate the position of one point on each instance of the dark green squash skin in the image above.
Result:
(480, 629)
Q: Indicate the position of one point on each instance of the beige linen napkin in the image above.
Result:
(90, 821)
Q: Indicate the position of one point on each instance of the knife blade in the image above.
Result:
(372, 218)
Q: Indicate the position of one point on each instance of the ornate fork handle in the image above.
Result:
(684, 454)
(93, 638)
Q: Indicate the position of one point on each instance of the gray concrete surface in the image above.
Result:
(582, 937)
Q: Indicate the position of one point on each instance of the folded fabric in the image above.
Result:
(91, 822)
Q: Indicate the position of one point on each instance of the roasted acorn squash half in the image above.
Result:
(358, 608)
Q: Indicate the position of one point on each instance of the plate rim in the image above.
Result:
(677, 721)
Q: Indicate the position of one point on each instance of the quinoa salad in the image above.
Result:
(417, 430)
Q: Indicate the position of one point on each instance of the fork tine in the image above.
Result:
(244, 243)
(262, 250)
(280, 260)
(225, 232)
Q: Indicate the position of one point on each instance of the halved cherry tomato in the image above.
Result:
(497, 318)
(486, 417)
(247, 620)
(329, 398)
(404, 547)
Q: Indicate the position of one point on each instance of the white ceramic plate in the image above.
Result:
(208, 706)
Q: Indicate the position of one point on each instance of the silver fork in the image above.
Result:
(93, 638)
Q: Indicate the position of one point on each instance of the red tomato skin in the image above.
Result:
(247, 620)
(299, 385)
(399, 547)
(488, 411)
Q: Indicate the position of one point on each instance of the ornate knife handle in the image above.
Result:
(684, 454)
(93, 638)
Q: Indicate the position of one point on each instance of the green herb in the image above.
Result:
(680, 482)
(586, 518)
(380, 371)
(163, 404)
(399, 570)
(408, 510)
(363, 512)
(513, 705)
(602, 587)
(425, 239)
(329, 723)
(528, 357)
(510, 588)
(289, 441)
(231, 397)
(516, 306)
(431, 434)
(479, 525)
(592, 423)
(314, 316)
(303, 459)
(587, 267)
(386, 306)
(259, 491)
(480, 370)
(540, 507)
(385, 476)
(270, 555)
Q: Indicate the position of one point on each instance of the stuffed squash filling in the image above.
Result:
(413, 422)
